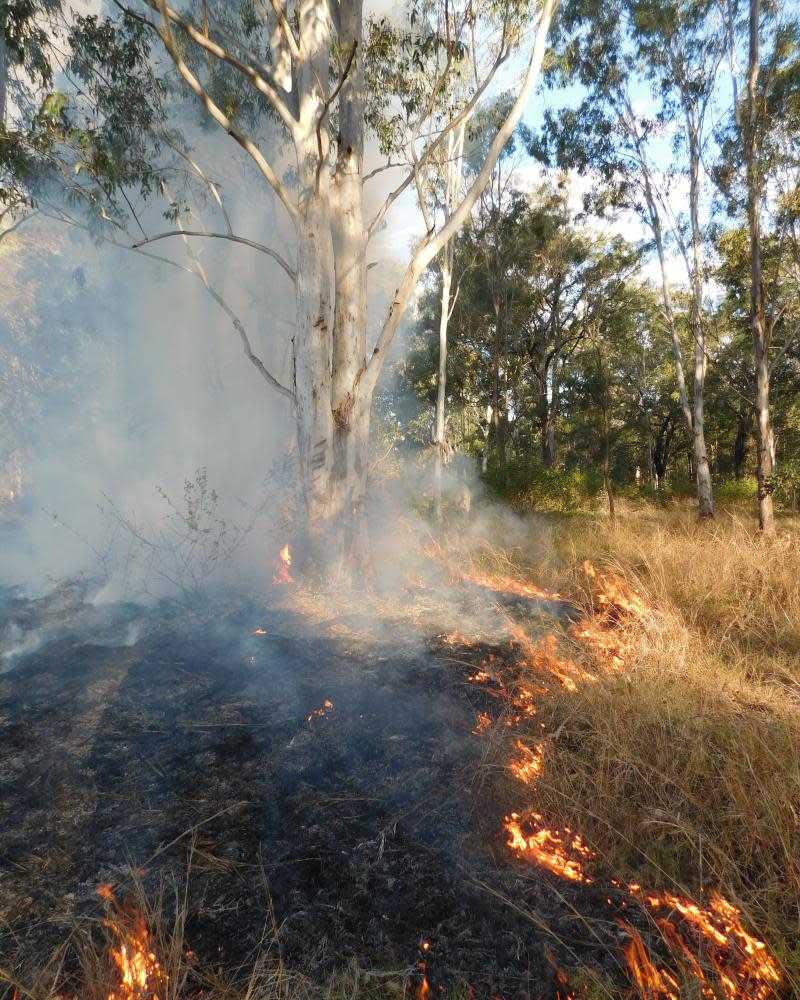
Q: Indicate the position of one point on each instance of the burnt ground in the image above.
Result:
(168, 739)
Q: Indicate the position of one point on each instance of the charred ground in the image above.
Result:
(195, 755)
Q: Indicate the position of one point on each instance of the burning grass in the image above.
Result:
(683, 770)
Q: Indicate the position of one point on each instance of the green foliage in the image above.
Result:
(532, 486)
(737, 490)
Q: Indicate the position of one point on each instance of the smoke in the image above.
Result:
(124, 375)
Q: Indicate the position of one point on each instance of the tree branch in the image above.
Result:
(274, 93)
(222, 236)
(431, 245)
(220, 117)
(432, 146)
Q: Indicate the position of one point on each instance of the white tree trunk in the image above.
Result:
(455, 152)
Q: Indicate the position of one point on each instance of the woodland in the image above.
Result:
(399, 473)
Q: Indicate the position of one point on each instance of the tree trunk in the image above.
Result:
(705, 495)
(740, 443)
(766, 516)
(455, 149)
(498, 408)
(694, 413)
(612, 511)
(3, 76)
(552, 417)
(441, 388)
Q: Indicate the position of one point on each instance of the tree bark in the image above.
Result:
(441, 387)
(740, 443)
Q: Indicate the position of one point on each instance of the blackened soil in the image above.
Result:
(188, 756)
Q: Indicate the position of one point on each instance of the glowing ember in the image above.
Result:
(318, 713)
(483, 723)
(140, 975)
(282, 573)
(560, 851)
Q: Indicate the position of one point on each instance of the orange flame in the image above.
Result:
(282, 574)
(318, 713)
(612, 594)
(559, 851)
(528, 766)
(140, 975)
(504, 584)
(739, 963)
(707, 944)
(653, 983)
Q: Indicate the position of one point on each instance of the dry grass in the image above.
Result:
(684, 769)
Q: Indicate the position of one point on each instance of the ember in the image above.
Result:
(318, 713)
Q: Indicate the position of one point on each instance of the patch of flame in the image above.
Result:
(483, 723)
(282, 573)
(708, 944)
(140, 974)
(560, 851)
(653, 983)
(611, 594)
(504, 584)
(528, 766)
(318, 713)
(740, 965)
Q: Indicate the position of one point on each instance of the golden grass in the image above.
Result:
(684, 769)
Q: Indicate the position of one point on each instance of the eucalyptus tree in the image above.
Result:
(328, 75)
(769, 131)
(677, 48)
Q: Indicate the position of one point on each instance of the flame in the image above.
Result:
(140, 975)
(528, 766)
(318, 713)
(705, 943)
(282, 574)
(483, 723)
(503, 584)
(611, 594)
(653, 983)
(710, 943)
(561, 852)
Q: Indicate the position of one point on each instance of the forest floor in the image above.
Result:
(454, 786)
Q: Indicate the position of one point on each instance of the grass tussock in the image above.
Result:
(683, 769)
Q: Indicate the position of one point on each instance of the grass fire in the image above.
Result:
(399, 466)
